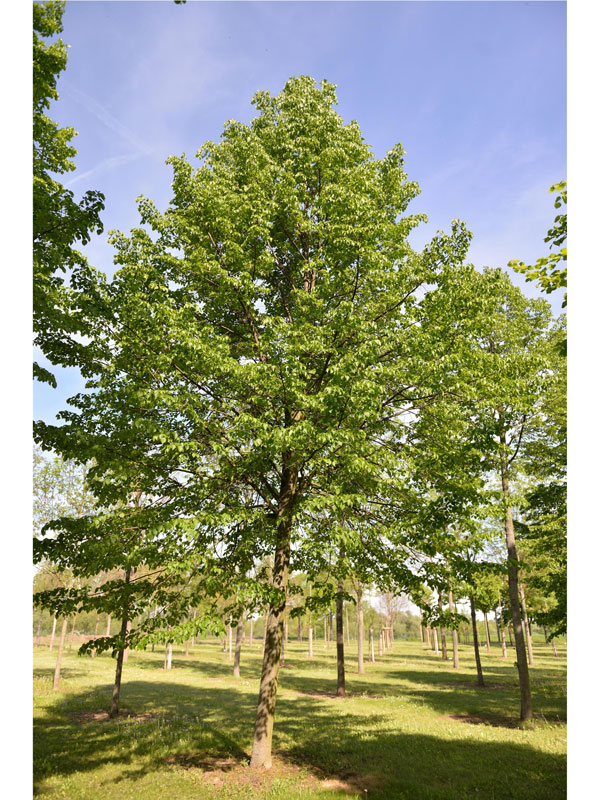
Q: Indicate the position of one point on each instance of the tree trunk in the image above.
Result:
(427, 642)
(168, 655)
(476, 644)
(526, 625)
(339, 634)
(39, 628)
(251, 642)
(487, 633)
(497, 625)
(126, 651)
(347, 624)
(361, 629)
(238, 646)
(554, 649)
(93, 653)
(72, 632)
(435, 642)
(61, 644)
(265, 631)
(229, 640)
(454, 633)
(380, 650)
(265, 712)
(310, 640)
(299, 635)
(442, 631)
(53, 632)
(421, 632)
(513, 589)
(116, 697)
(108, 621)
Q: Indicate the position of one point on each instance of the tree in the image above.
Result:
(58, 219)
(262, 340)
(547, 270)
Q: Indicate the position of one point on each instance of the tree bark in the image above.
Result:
(168, 655)
(454, 633)
(513, 588)
(116, 697)
(526, 623)
(265, 712)
(299, 636)
(126, 651)
(108, 621)
(61, 644)
(238, 647)
(229, 640)
(435, 642)
(39, 628)
(371, 645)
(72, 632)
(476, 644)
(361, 629)
(427, 642)
(339, 634)
(442, 631)
(53, 632)
(487, 633)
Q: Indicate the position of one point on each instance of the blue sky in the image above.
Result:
(475, 91)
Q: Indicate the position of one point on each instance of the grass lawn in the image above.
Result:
(412, 728)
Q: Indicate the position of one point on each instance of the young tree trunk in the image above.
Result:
(72, 632)
(93, 653)
(168, 655)
(427, 642)
(442, 631)
(61, 644)
(53, 632)
(487, 633)
(310, 640)
(513, 589)
(497, 625)
(371, 645)
(126, 651)
(265, 712)
(229, 640)
(380, 649)
(238, 647)
(435, 642)
(339, 635)
(108, 621)
(500, 623)
(454, 632)
(421, 631)
(299, 635)
(116, 697)
(526, 623)
(251, 641)
(476, 644)
(361, 629)
(39, 628)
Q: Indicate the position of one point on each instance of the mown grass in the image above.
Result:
(412, 728)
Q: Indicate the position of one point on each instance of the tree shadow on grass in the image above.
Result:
(330, 740)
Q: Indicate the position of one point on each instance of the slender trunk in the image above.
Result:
(310, 640)
(476, 644)
(427, 642)
(510, 639)
(126, 651)
(251, 642)
(93, 653)
(380, 650)
(487, 633)
(361, 629)
(299, 635)
(442, 631)
(116, 697)
(339, 634)
(53, 632)
(238, 646)
(421, 632)
(513, 589)
(500, 622)
(347, 624)
(435, 642)
(497, 625)
(265, 712)
(229, 640)
(526, 623)
(72, 632)
(554, 649)
(61, 644)
(454, 632)
(39, 628)
(108, 621)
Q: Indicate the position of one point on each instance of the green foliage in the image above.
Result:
(58, 219)
(547, 270)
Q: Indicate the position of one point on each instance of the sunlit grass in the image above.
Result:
(412, 728)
